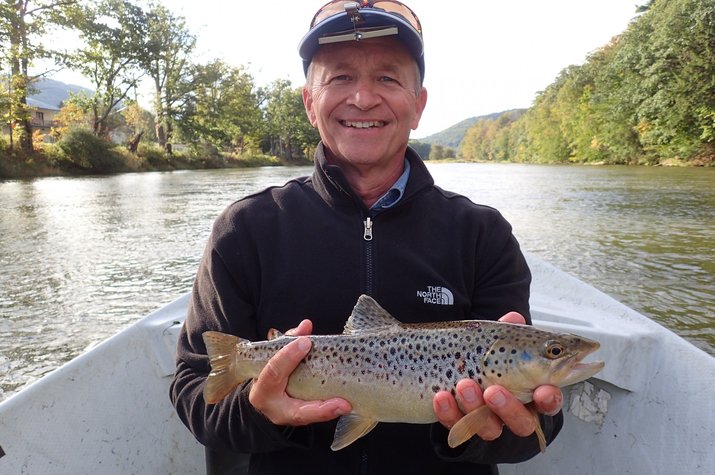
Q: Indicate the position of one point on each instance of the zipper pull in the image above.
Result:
(367, 235)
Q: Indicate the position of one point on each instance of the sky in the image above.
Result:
(482, 56)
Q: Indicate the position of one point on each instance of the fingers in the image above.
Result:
(268, 391)
(513, 317)
(510, 410)
(450, 409)
(304, 328)
(446, 409)
(548, 399)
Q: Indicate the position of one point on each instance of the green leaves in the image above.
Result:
(648, 96)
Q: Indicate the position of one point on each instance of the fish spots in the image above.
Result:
(461, 366)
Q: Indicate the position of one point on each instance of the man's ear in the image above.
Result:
(420, 104)
(308, 104)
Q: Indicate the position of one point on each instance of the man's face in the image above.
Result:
(364, 98)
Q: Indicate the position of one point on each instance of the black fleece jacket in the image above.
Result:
(299, 251)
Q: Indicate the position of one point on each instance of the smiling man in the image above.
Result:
(365, 97)
(369, 220)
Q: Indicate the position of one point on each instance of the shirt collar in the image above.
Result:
(394, 194)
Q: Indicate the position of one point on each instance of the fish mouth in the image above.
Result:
(576, 370)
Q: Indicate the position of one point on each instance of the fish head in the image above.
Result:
(538, 357)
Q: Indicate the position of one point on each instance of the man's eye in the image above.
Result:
(341, 78)
(387, 79)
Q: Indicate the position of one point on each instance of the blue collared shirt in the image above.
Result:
(394, 194)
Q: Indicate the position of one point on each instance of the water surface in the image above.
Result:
(82, 258)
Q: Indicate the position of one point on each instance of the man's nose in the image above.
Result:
(365, 95)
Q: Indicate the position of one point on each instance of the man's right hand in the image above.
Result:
(268, 391)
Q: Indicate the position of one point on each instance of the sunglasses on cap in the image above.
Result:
(337, 7)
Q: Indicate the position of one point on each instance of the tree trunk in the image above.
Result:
(134, 142)
(20, 119)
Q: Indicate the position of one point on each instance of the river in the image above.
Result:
(82, 258)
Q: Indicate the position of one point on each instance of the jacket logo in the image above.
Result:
(436, 295)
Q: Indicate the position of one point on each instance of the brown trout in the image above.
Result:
(390, 371)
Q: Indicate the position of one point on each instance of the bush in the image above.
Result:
(153, 154)
(85, 151)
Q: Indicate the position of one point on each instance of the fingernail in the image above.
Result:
(469, 395)
(498, 399)
(304, 344)
(443, 405)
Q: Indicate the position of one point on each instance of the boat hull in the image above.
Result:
(649, 411)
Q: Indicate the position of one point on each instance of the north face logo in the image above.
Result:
(436, 295)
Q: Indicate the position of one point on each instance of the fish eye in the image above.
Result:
(554, 349)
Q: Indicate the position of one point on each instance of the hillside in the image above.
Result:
(452, 136)
(53, 92)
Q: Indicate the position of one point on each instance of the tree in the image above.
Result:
(169, 45)
(73, 114)
(288, 127)
(139, 121)
(22, 23)
(114, 32)
(223, 109)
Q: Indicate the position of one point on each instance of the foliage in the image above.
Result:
(223, 109)
(113, 32)
(83, 151)
(290, 134)
(166, 60)
(74, 113)
(438, 152)
(21, 25)
(489, 138)
(646, 97)
(423, 149)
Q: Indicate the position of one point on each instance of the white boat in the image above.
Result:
(650, 411)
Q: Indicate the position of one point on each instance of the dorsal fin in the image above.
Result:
(369, 316)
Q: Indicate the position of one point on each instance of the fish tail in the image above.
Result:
(225, 374)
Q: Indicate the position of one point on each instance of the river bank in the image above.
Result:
(42, 164)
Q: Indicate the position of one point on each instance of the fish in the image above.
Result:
(390, 371)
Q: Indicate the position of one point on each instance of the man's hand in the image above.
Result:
(505, 408)
(268, 391)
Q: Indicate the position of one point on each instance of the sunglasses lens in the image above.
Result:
(328, 10)
(338, 6)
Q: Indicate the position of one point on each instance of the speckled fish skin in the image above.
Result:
(390, 371)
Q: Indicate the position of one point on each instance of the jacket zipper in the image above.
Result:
(367, 237)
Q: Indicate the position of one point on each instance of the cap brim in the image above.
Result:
(373, 18)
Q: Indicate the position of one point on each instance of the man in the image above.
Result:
(369, 220)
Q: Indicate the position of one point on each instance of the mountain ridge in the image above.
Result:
(452, 136)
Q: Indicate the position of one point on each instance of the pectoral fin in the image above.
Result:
(350, 428)
(468, 426)
(539, 430)
(473, 422)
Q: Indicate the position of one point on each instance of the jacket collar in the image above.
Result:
(331, 184)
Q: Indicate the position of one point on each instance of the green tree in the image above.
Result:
(168, 49)
(223, 109)
(22, 23)
(288, 129)
(114, 32)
